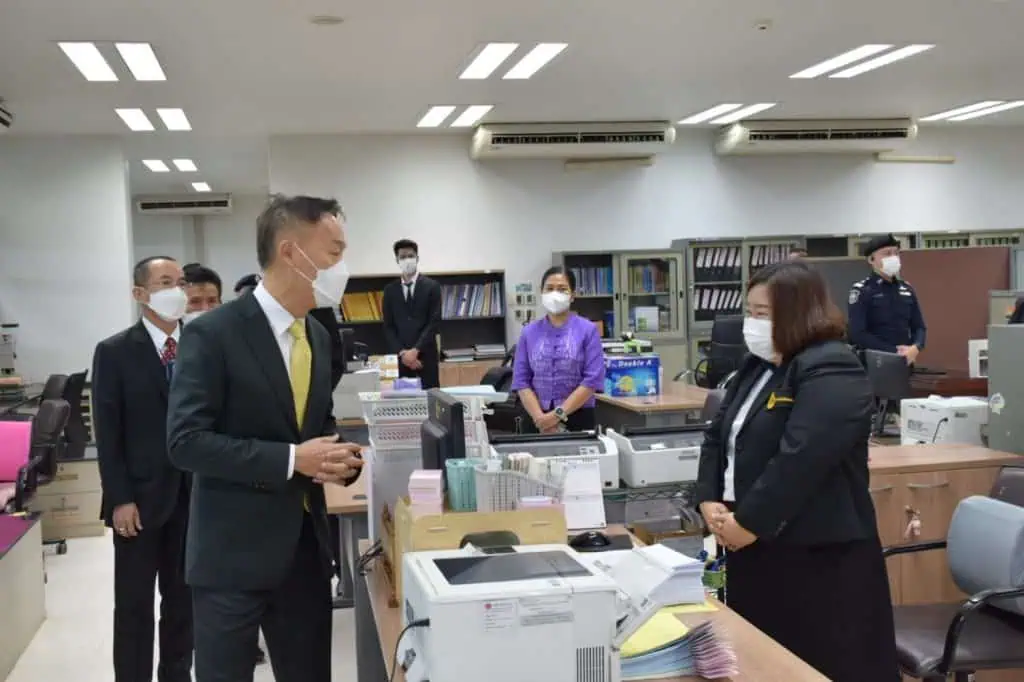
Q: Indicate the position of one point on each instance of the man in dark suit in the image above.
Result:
(145, 499)
(250, 416)
(412, 316)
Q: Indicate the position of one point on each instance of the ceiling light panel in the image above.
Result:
(946, 115)
(156, 166)
(174, 119)
(839, 61)
(141, 61)
(535, 60)
(435, 116)
(471, 116)
(883, 60)
(708, 114)
(185, 165)
(89, 61)
(135, 119)
(745, 112)
(488, 60)
(999, 108)
(200, 186)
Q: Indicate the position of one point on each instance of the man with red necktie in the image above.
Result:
(145, 499)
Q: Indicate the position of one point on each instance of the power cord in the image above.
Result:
(363, 562)
(422, 623)
(935, 434)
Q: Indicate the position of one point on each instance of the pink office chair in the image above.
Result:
(15, 445)
(29, 450)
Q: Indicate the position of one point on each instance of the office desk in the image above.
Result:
(348, 503)
(22, 592)
(677, 404)
(951, 383)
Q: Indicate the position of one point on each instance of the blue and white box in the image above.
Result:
(630, 376)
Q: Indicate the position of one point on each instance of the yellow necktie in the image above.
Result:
(299, 370)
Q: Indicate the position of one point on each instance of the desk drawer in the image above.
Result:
(67, 510)
(74, 477)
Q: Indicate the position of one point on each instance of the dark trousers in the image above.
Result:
(295, 619)
(154, 557)
(429, 374)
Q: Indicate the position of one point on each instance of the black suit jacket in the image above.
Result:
(325, 316)
(413, 324)
(801, 465)
(230, 421)
(129, 397)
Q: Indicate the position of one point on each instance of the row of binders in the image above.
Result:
(647, 278)
(717, 264)
(711, 301)
(595, 281)
(767, 254)
(460, 301)
(363, 306)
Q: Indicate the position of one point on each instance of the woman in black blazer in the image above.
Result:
(783, 484)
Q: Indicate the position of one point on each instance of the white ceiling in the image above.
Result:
(247, 69)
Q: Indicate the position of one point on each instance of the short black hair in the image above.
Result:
(406, 244)
(200, 274)
(247, 282)
(140, 273)
(559, 270)
(283, 210)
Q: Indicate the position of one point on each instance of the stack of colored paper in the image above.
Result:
(665, 648)
(426, 492)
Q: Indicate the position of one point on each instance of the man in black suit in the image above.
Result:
(250, 416)
(145, 499)
(412, 316)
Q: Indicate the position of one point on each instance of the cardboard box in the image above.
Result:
(632, 375)
(942, 420)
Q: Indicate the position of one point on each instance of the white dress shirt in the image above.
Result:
(409, 291)
(729, 488)
(158, 335)
(280, 320)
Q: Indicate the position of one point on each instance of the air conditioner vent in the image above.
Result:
(571, 140)
(581, 138)
(828, 134)
(179, 205)
(815, 137)
(216, 204)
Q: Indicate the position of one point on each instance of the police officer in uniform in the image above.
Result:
(883, 310)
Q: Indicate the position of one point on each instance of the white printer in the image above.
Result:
(572, 445)
(942, 420)
(658, 455)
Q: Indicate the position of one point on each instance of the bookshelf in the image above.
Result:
(473, 305)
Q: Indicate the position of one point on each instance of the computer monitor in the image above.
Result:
(443, 433)
(889, 375)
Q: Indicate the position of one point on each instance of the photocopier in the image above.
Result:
(651, 456)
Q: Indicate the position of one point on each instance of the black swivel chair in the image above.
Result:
(76, 433)
(53, 389)
(724, 357)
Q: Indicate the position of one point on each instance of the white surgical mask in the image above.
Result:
(555, 302)
(168, 304)
(757, 334)
(188, 317)
(329, 284)
(408, 266)
(891, 266)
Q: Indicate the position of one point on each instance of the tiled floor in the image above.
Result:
(74, 644)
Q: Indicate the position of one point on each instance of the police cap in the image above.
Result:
(879, 242)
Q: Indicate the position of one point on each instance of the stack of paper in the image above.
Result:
(668, 649)
(583, 495)
(426, 492)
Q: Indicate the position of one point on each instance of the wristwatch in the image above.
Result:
(562, 416)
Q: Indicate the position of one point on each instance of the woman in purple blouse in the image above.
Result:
(559, 362)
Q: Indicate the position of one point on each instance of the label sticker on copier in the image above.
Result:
(499, 615)
(544, 611)
(996, 403)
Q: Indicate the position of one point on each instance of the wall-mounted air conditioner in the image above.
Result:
(184, 204)
(571, 140)
(815, 137)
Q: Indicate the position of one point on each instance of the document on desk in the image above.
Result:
(583, 495)
(699, 651)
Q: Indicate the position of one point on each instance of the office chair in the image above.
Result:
(53, 389)
(712, 403)
(76, 433)
(724, 357)
(505, 416)
(986, 631)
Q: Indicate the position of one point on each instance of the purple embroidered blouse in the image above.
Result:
(554, 361)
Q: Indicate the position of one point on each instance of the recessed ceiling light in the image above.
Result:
(1005, 106)
(745, 112)
(185, 165)
(488, 60)
(838, 62)
(200, 186)
(435, 116)
(174, 119)
(141, 61)
(156, 166)
(535, 60)
(135, 119)
(471, 116)
(326, 20)
(884, 60)
(945, 115)
(707, 115)
(90, 63)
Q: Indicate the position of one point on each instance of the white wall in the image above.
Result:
(65, 248)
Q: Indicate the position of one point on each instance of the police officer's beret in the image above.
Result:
(247, 282)
(879, 242)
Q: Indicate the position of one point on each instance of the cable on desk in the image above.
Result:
(422, 623)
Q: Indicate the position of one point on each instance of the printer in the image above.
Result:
(658, 455)
(569, 445)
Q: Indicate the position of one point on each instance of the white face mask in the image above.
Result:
(188, 317)
(329, 284)
(757, 334)
(891, 266)
(168, 304)
(555, 302)
(408, 266)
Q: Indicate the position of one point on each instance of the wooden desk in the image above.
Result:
(22, 591)
(761, 659)
(678, 404)
(348, 503)
(952, 383)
